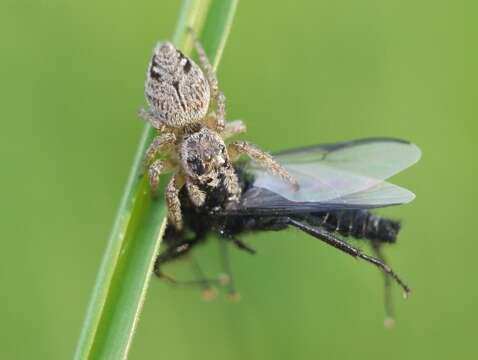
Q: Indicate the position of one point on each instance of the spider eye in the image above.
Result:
(187, 66)
(153, 70)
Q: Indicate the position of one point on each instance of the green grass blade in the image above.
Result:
(126, 268)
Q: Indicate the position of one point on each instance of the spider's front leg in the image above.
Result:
(197, 196)
(172, 199)
(231, 183)
(160, 142)
(155, 170)
(237, 148)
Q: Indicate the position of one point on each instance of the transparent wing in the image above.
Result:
(346, 175)
(265, 202)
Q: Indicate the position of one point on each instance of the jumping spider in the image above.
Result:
(180, 96)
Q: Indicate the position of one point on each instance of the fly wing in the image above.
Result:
(347, 175)
(260, 201)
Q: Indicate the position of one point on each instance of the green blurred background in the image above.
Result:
(299, 72)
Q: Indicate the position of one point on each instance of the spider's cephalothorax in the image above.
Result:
(179, 95)
(206, 165)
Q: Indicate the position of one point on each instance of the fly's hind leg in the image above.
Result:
(178, 251)
(172, 253)
(341, 245)
(232, 295)
(208, 291)
(237, 148)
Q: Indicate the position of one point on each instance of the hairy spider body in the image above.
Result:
(180, 96)
(176, 89)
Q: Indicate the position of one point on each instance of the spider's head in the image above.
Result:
(204, 156)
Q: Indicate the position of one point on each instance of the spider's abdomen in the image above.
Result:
(176, 88)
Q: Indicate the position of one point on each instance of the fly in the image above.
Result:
(340, 185)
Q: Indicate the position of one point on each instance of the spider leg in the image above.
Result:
(205, 63)
(234, 128)
(154, 173)
(172, 199)
(330, 239)
(213, 82)
(150, 117)
(160, 142)
(197, 196)
(237, 148)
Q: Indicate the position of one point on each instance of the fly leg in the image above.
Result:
(232, 295)
(208, 291)
(349, 249)
(243, 246)
(182, 250)
(389, 313)
(172, 253)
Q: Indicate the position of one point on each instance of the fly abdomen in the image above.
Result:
(358, 224)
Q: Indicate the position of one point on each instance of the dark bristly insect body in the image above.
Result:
(348, 177)
(204, 222)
